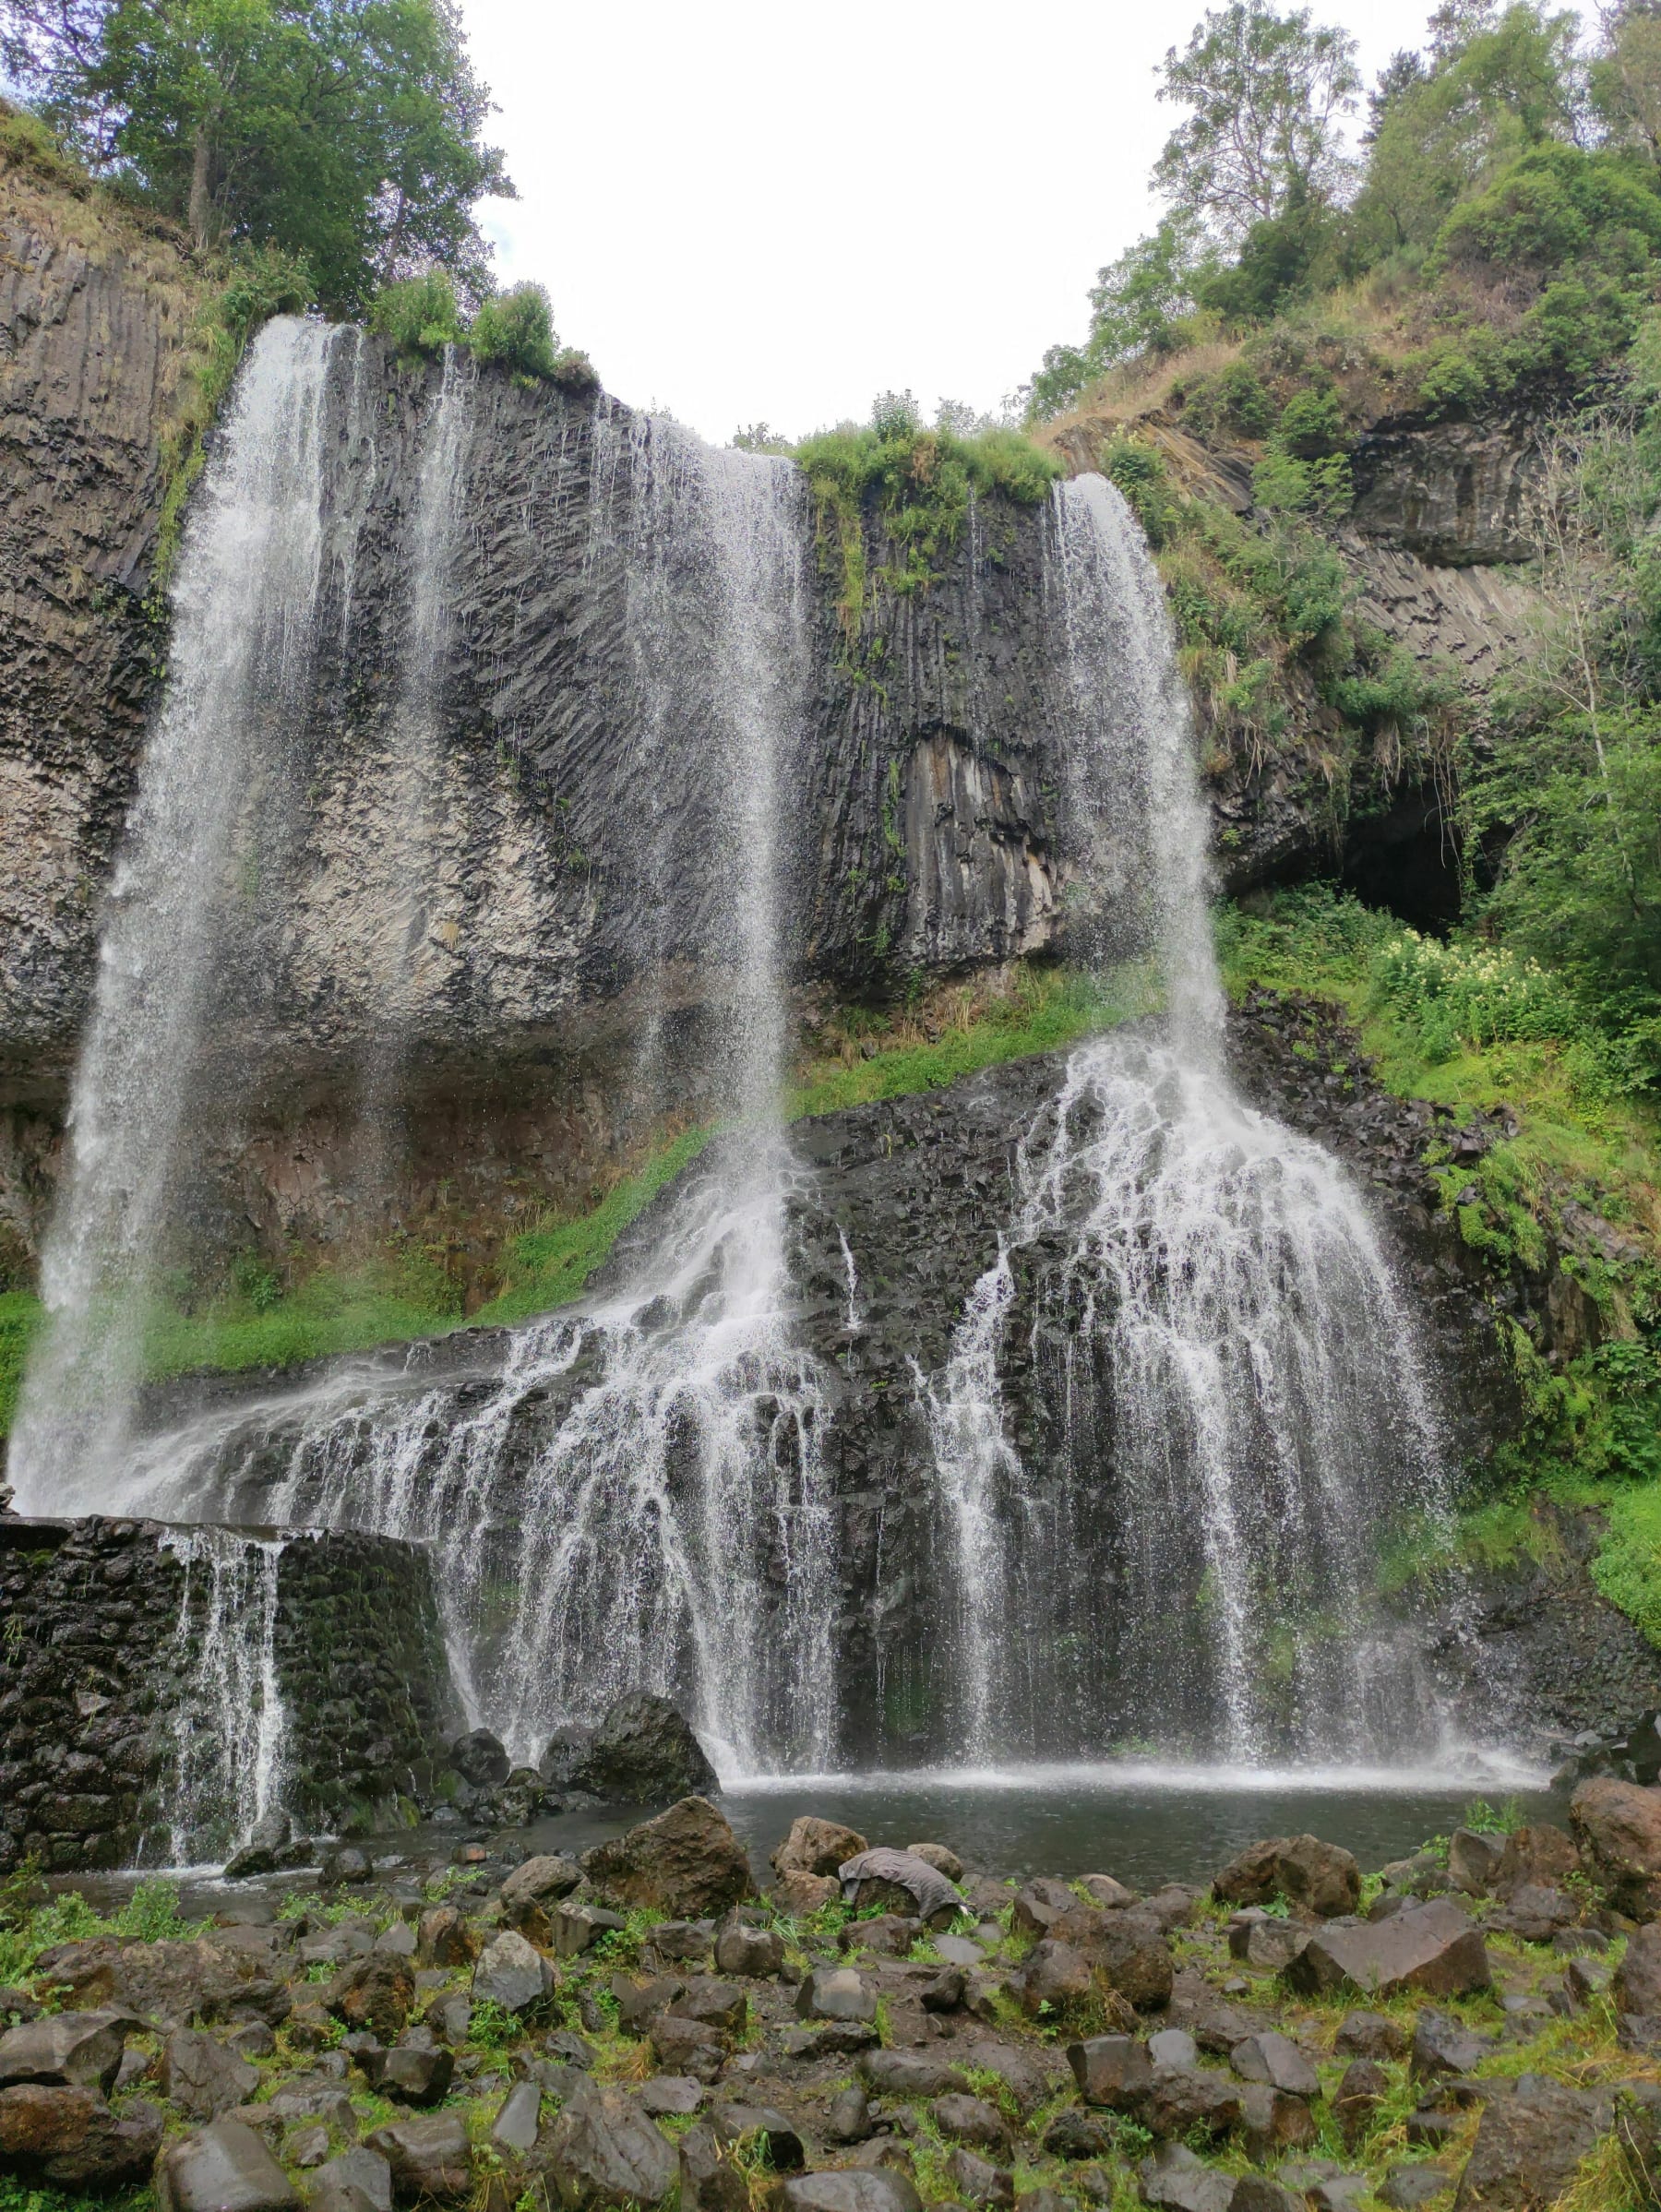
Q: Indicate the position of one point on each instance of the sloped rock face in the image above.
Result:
(1454, 494)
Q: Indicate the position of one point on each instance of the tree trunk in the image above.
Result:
(200, 211)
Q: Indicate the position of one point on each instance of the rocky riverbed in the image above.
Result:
(866, 2030)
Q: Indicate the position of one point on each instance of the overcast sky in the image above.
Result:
(751, 212)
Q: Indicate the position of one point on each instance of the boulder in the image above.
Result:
(1444, 2046)
(900, 1884)
(1040, 1902)
(891, 1932)
(1263, 1942)
(443, 1939)
(1184, 2101)
(604, 2150)
(973, 2121)
(753, 1952)
(1114, 2071)
(1355, 2101)
(429, 2158)
(686, 1863)
(1321, 1878)
(415, 2073)
(1133, 1957)
(850, 2189)
(1173, 2177)
(815, 1847)
(1535, 1912)
(481, 1759)
(719, 2004)
(69, 2139)
(1474, 1859)
(767, 2128)
(1434, 1947)
(533, 1890)
(79, 2050)
(848, 2116)
(1637, 1984)
(226, 2168)
(1541, 1854)
(1273, 2122)
(674, 1941)
(802, 1894)
(643, 1752)
(574, 1929)
(937, 1855)
(1017, 2067)
(1056, 1981)
(1406, 2188)
(175, 1983)
(202, 2077)
(564, 1753)
(977, 2182)
(374, 1993)
(1618, 1826)
(357, 2178)
(691, 2047)
(710, 2179)
(1275, 2059)
(909, 2073)
(836, 1993)
(1529, 2144)
(671, 2096)
(1369, 2035)
(1106, 1892)
(511, 1973)
(518, 2117)
(1075, 2134)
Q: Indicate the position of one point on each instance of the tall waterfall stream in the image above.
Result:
(638, 1494)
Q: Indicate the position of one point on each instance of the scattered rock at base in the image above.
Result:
(226, 2168)
(429, 2158)
(511, 1973)
(1434, 1947)
(1529, 2144)
(80, 2051)
(686, 1863)
(815, 1847)
(69, 2139)
(1618, 1825)
(481, 1759)
(604, 2150)
(1321, 1878)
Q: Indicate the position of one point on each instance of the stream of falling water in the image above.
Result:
(244, 606)
(1215, 1320)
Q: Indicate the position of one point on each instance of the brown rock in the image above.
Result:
(802, 1894)
(1108, 1891)
(1618, 1825)
(430, 2158)
(686, 1863)
(1056, 1981)
(709, 2179)
(374, 1993)
(1272, 2122)
(1637, 1984)
(1039, 1903)
(1434, 1947)
(1182, 2101)
(80, 2051)
(604, 2150)
(226, 2168)
(443, 1939)
(937, 1855)
(202, 2077)
(1133, 1958)
(1114, 2071)
(1363, 2083)
(69, 2139)
(815, 1847)
(1321, 1878)
(1529, 2144)
(1543, 1854)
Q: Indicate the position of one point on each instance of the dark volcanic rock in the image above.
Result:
(643, 1752)
(687, 1863)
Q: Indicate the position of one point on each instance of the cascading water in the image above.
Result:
(1233, 1371)
(228, 1725)
(638, 1500)
(245, 615)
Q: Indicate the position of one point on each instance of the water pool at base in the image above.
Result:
(1145, 1825)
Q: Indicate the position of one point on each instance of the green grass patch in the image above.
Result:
(1628, 1566)
(31, 1921)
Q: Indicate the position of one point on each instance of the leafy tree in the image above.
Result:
(1626, 82)
(1136, 305)
(1268, 92)
(347, 130)
(1493, 90)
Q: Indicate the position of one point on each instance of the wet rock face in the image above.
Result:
(1456, 492)
(95, 1668)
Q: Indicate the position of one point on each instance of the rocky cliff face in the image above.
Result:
(484, 927)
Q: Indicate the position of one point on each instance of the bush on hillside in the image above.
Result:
(515, 330)
(420, 315)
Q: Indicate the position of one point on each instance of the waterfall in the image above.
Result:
(637, 1496)
(148, 1079)
(228, 1726)
(1238, 1393)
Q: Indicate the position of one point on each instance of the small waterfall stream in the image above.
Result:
(1217, 1325)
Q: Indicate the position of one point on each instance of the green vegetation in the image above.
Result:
(1577, 1188)
(32, 1920)
(256, 1319)
(917, 482)
(347, 136)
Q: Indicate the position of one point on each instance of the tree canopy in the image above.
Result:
(348, 132)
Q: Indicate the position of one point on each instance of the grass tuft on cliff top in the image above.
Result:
(859, 1055)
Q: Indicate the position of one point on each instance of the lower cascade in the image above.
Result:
(1181, 1405)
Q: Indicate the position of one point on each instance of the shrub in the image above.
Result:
(418, 314)
(515, 330)
(1311, 426)
(1233, 401)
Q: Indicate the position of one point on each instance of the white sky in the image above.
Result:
(753, 212)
